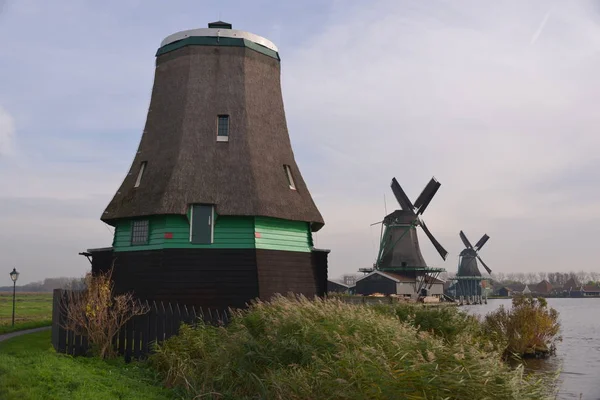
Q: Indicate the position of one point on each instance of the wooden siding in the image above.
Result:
(230, 233)
(214, 278)
(376, 284)
(284, 272)
(280, 234)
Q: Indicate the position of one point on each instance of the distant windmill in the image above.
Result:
(469, 278)
(469, 256)
(399, 249)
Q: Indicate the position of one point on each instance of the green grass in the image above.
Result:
(32, 310)
(31, 370)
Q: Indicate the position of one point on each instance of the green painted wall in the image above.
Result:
(280, 234)
(230, 233)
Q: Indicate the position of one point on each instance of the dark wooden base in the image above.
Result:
(214, 278)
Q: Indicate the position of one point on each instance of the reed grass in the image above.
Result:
(295, 348)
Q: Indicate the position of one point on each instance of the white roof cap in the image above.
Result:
(219, 32)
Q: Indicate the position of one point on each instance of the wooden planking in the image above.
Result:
(229, 232)
(217, 278)
(375, 284)
(320, 270)
(285, 271)
(280, 234)
(197, 277)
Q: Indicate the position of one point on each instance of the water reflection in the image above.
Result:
(578, 355)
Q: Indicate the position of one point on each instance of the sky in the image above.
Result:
(499, 101)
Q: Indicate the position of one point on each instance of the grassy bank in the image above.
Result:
(32, 310)
(31, 370)
(290, 349)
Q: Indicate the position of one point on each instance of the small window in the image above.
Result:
(140, 174)
(139, 232)
(290, 178)
(223, 128)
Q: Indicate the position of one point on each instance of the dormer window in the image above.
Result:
(223, 128)
(140, 174)
(290, 178)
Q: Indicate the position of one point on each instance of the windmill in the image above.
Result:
(469, 278)
(399, 249)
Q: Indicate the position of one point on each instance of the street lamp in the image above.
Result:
(14, 275)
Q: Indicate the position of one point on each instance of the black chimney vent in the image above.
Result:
(219, 25)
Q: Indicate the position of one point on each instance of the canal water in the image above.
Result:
(578, 355)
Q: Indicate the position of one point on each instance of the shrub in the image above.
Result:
(528, 328)
(446, 322)
(97, 313)
(326, 349)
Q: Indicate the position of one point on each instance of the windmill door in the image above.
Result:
(202, 224)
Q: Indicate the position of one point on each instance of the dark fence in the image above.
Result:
(136, 337)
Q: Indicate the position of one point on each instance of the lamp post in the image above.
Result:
(14, 275)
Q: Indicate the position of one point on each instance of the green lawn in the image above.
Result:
(30, 370)
(32, 310)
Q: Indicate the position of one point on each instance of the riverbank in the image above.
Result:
(577, 355)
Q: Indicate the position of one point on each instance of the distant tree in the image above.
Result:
(531, 278)
(582, 276)
(499, 276)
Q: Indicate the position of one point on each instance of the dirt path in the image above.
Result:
(7, 336)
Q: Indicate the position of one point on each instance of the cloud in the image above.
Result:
(451, 89)
(388, 88)
(538, 32)
(7, 133)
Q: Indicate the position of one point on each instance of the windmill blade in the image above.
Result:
(426, 195)
(436, 244)
(481, 242)
(402, 197)
(464, 239)
(484, 266)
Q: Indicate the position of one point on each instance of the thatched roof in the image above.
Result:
(185, 163)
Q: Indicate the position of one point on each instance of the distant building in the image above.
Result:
(543, 288)
(392, 283)
(338, 287)
(572, 288)
(591, 291)
(513, 289)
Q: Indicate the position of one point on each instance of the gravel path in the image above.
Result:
(7, 336)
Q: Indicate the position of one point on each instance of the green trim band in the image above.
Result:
(214, 41)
